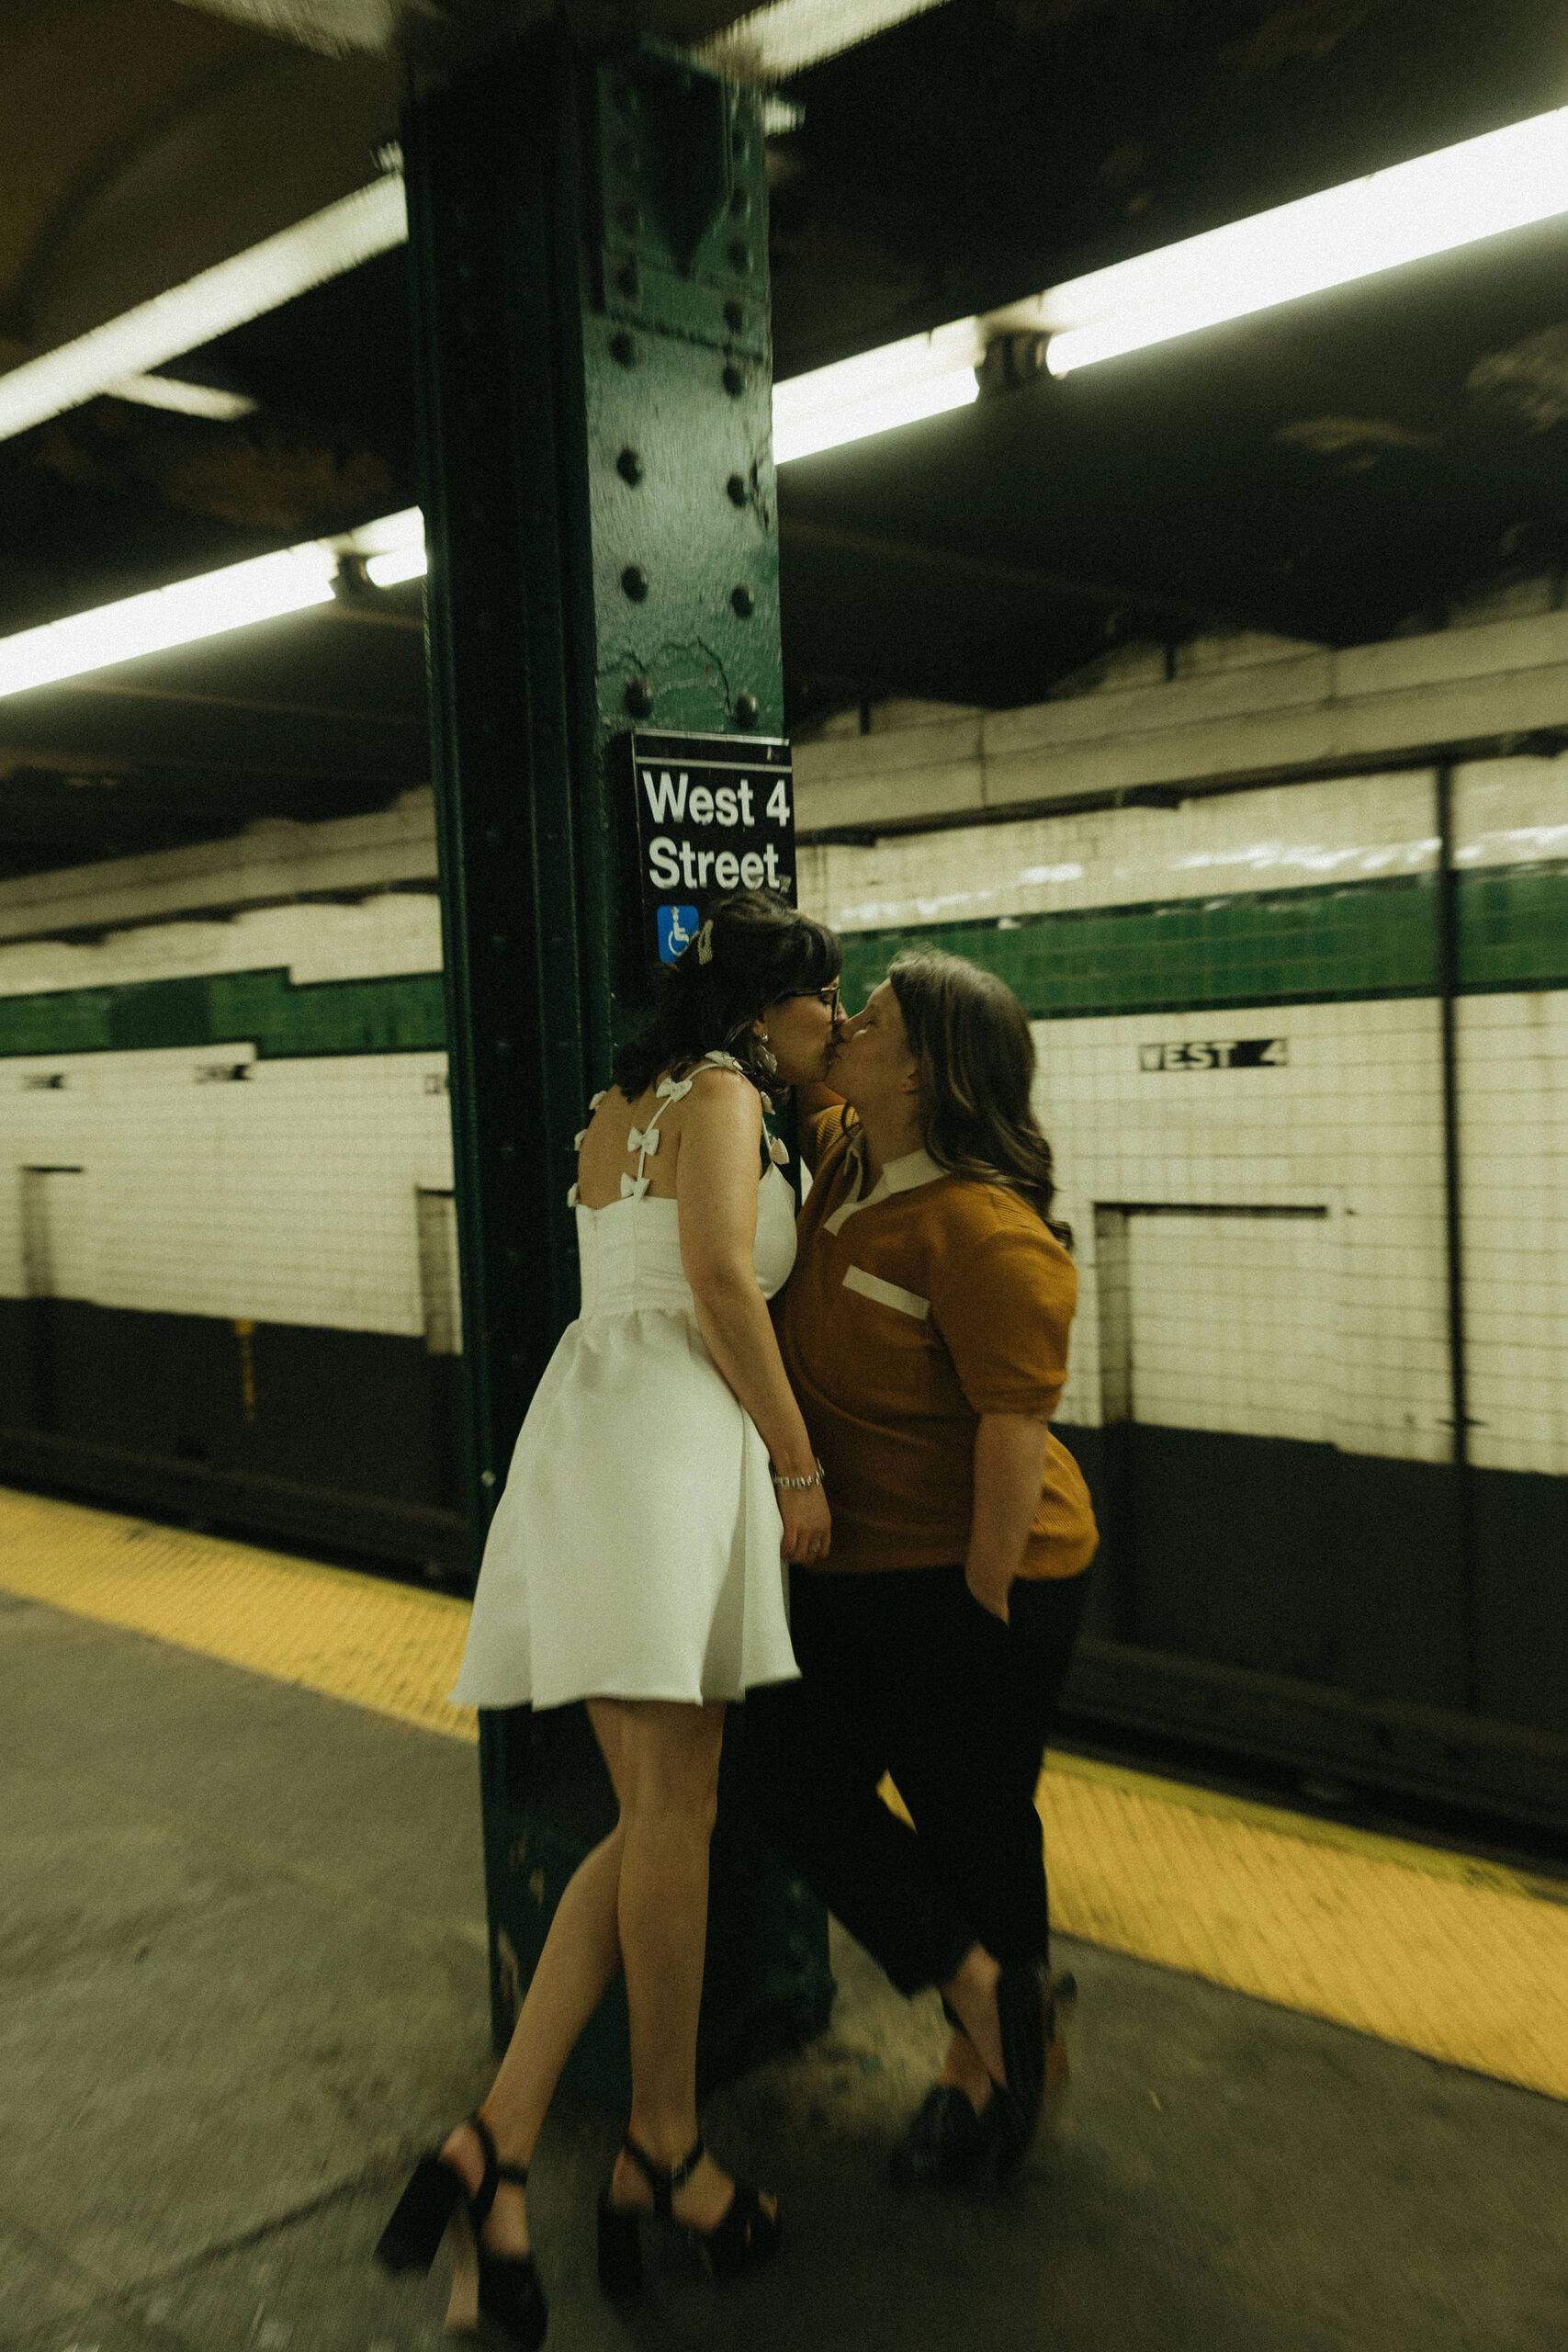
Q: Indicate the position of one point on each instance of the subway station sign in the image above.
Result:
(714, 813)
(1218, 1053)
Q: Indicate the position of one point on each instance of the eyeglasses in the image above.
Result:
(829, 996)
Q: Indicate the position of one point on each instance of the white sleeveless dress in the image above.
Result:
(635, 1551)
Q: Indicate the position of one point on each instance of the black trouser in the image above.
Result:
(904, 1672)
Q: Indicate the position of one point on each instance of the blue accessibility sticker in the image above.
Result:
(677, 929)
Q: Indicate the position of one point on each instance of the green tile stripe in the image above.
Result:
(1360, 939)
(1346, 940)
(1513, 928)
(404, 1014)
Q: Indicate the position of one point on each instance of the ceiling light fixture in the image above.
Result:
(1482, 188)
(1505, 180)
(185, 317)
(785, 36)
(399, 564)
(392, 547)
(183, 399)
(923, 376)
(265, 588)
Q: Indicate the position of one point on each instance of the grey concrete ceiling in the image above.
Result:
(1330, 471)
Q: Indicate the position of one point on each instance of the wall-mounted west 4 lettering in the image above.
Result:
(714, 813)
(1217, 1053)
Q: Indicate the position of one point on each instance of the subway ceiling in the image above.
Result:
(1343, 467)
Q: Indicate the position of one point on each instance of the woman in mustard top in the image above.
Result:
(924, 1333)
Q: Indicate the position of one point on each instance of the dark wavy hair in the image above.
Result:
(975, 1059)
(763, 949)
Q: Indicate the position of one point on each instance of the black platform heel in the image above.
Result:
(420, 2216)
(501, 2291)
(947, 2143)
(746, 2237)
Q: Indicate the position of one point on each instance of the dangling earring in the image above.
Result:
(767, 1060)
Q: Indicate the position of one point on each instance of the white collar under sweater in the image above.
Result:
(900, 1175)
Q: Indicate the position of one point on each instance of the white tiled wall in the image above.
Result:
(290, 1194)
(1511, 812)
(396, 932)
(1295, 837)
(1513, 1128)
(1233, 1324)
(1351, 1125)
(1338, 1327)
(286, 1196)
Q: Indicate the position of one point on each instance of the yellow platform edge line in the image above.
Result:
(1461, 1960)
(1472, 1974)
(390, 1649)
(1437, 1861)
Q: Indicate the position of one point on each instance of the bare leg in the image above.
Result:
(971, 1991)
(581, 1957)
(964, 2068)
(669, 1790)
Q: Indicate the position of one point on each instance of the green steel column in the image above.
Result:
(589, 254)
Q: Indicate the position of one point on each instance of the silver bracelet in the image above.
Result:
(796, 1485)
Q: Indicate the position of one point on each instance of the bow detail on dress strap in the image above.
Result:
(778, 1150)
(595, 1099)
(673, 1089)
(572, 1198)
(644, 1139)
(633, 1187)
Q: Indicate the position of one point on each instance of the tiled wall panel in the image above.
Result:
(1295, 837)
(1350, 1123)
(1233, 1325)
(312, 940)
(288, 1195)
(1511, 812)
(1513, 1132)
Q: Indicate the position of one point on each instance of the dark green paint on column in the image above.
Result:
(588, 245)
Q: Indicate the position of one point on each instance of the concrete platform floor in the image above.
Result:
(242, 1981)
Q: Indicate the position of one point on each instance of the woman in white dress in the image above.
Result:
(662, 1477)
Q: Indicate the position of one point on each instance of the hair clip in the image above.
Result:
(704, 942)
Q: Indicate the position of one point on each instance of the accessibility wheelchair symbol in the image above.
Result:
(677, 929)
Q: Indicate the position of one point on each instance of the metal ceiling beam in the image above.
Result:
(770, 44)
(990, 572)
(749, 45)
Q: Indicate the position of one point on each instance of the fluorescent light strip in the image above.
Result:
(1506, 179)
(786, 36)
(266, 588)
(1484, 187)
(857, 420)
(923, 376)
(263, 590)
(352, 231)
(399, 564)
(182, 399)
(388, 535)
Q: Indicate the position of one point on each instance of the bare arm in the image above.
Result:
(716, 1191)
(1009, 1469)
